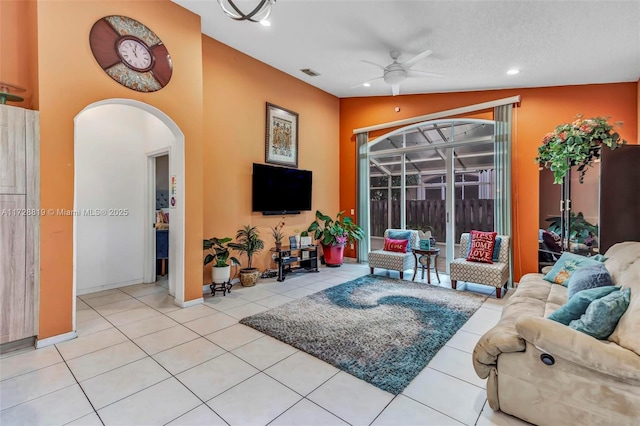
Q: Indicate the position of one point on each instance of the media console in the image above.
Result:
(305, 257)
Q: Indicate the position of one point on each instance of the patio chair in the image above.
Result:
(393, 260)
(494, 274)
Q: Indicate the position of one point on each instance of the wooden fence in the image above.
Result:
(469, 214)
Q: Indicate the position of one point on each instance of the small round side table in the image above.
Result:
(425, 262)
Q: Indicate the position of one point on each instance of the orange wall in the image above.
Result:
(236, 90)
(540, 111)
(69, 80)
(18, 48)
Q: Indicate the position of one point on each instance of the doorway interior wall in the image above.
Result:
(114, 204)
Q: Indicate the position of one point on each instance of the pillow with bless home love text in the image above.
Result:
(482, 246)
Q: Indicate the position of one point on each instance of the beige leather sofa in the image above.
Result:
(591, 382)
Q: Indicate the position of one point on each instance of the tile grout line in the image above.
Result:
(432, 408)
(82, 389)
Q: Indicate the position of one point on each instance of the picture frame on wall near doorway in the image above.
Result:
(281, 136)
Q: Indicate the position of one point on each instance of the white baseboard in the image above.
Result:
(189, 303)
(53, 340)
(83, 291)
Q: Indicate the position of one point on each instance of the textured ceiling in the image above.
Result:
(474, 43)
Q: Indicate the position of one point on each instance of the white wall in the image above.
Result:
(111, 172)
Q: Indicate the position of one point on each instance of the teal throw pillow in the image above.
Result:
(401, 235)
(602, 315)
(577, 305)
(587, 277)
(496, 250)
(565, 266)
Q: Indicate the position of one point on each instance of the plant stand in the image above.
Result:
(224, 287)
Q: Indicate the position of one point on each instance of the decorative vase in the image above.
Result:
(278, 246)
(220, 274)
(249, 276)
(298, 240)
(333, 254)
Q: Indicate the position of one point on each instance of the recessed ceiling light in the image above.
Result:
(513, 71)
(366, 84)
(265, 23)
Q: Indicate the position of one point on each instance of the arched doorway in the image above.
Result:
(115, 145)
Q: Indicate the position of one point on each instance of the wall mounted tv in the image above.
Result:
(279, 190)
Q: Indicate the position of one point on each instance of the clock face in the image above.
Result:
(135, 54)
(130, 53)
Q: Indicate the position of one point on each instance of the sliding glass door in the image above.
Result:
(436, 176)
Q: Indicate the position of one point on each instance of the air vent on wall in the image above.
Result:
(310, 72)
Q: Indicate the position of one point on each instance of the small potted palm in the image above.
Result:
(248, 241)
(219, 254)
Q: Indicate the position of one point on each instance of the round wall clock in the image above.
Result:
(130, 53)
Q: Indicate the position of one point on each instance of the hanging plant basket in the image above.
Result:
(577, 144)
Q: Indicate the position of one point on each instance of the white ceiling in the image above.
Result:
(474, 42)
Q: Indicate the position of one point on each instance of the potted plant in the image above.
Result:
(278, 234)
(248, 241)
(576, 144)
(333, 235)
(219, 254)
(580, 231)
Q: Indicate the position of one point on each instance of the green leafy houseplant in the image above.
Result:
(576, 144)
(580, 230)
(335, 232)
(248, 241)
(218, 252)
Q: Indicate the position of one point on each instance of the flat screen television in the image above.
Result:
(280, 190)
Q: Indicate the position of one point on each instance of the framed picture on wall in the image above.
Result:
(281, 136)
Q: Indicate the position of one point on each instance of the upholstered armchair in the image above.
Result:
(494, 274)
(393, 260)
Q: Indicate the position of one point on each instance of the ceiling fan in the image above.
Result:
(397, 72)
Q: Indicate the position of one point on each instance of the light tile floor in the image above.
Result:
(140, 360)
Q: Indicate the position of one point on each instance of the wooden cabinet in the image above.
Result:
(608, 198)
(19, 223)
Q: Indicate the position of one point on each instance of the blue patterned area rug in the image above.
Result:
(381, 330)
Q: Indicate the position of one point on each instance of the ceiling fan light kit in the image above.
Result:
(259, 14)
(396, 72)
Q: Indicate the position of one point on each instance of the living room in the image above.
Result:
(217, 97)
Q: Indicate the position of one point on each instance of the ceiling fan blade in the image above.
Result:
(372, 63)
(364, 82)
(395, 89)
(418, 73)
(420, 56)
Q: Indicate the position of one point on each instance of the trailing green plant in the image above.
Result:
(332, 232)
(218, 252)
(579, 230)
(248, 241)
(577, 144)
